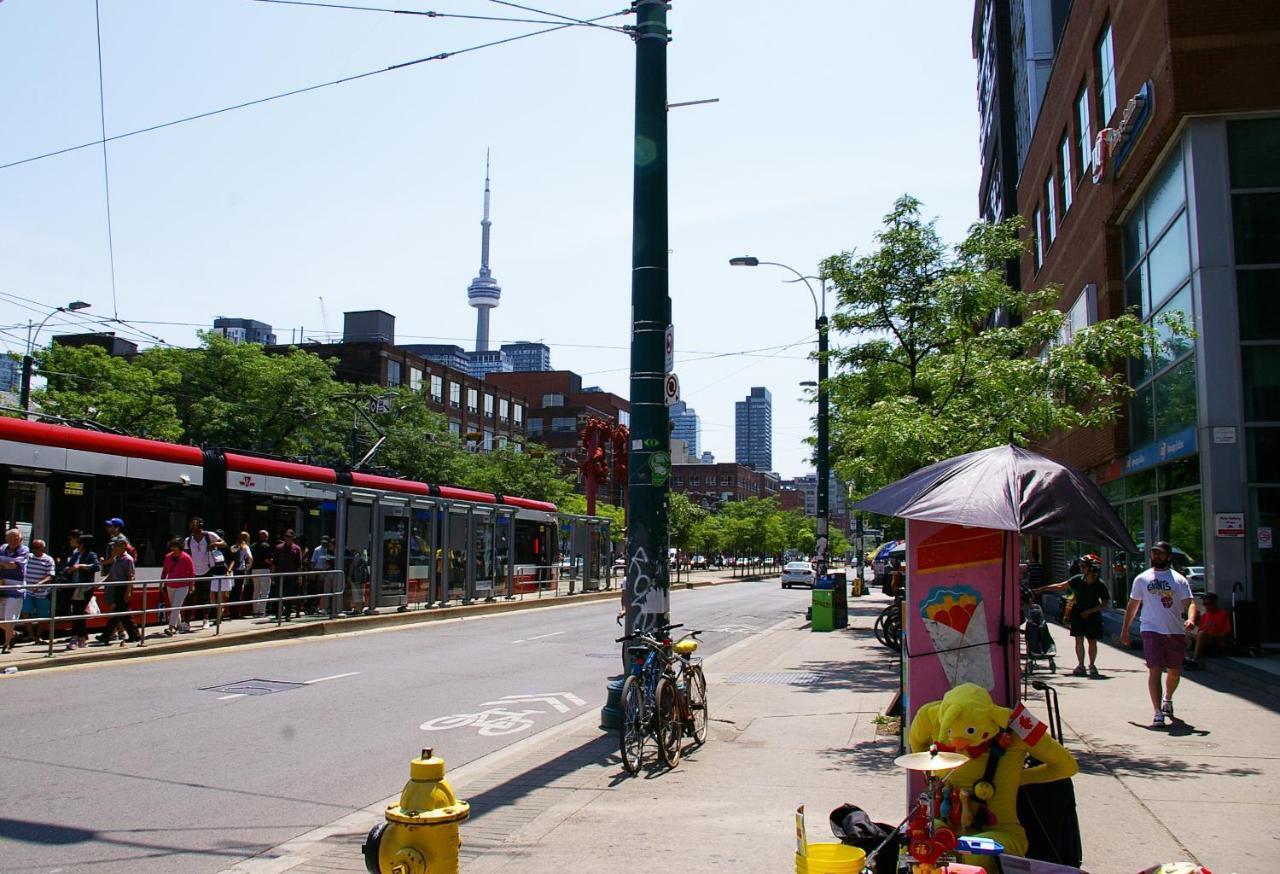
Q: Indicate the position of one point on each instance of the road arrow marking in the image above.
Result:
(552, 698)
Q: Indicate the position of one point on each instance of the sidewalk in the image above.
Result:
(240, 632)
(793, 722)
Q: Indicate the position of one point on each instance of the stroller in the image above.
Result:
(1038, 645)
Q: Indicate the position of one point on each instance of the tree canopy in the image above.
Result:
(237, 396)
(943, 357)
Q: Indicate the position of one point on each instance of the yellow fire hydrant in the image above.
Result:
(420, 835)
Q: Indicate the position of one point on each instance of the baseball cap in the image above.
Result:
(115, 522)
(119, 540)
(1163, 546)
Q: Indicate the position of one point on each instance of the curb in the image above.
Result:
(329, 627)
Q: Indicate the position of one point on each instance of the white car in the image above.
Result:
(1195, 576)
(797, 573)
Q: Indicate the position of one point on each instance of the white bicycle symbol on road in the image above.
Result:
(499, 720)
(491, 723)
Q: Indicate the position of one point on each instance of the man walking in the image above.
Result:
(40, 572)
(200, 545)
(1161, 593)
(119, 584)
(1090, 598)
(261, 572)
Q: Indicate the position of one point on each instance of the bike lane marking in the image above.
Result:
(500, 717)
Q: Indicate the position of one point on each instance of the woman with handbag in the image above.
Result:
(82, 566)
(220, 581)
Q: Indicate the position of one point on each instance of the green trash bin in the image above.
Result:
(823, 612)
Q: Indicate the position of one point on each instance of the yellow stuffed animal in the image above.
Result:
(967, 721)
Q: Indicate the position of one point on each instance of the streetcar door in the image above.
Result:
(391, 556)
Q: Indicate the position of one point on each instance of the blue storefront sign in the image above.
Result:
(1171, 448)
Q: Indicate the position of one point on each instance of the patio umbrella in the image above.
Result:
(884, 549)
(1007, 488)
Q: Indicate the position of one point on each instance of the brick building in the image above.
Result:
(1174, 211)
(710, 485)
(486, 416)
(559, 406)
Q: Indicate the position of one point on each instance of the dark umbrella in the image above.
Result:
(1007, 488)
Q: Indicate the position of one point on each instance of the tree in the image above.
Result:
(685, 518)
(926, 375)
(88, 384)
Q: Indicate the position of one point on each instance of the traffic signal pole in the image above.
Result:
(647, 591)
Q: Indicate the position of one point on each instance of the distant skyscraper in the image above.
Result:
(244, 331)
(490, 361)
(10, 373)
(443, 353)
(753, 430)
(684, 422)
(483, 292)
(527, 357)
(707, 457)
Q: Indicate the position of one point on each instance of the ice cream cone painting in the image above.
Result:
(956, 619)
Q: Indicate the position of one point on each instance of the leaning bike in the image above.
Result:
(650, 702)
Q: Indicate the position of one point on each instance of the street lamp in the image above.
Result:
(824, 463)
(24, 395)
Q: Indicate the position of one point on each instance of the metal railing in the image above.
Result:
(333, 584)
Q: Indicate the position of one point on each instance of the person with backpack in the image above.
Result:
(199, 545)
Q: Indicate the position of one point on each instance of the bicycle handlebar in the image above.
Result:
(650, 633)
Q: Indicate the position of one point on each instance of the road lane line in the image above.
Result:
(333, 677)
(540, 636)
(229, 697)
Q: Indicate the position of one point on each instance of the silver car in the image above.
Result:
(797, 573)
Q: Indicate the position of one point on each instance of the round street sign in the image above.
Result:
(671, 389)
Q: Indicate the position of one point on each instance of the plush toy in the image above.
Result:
(981, 797)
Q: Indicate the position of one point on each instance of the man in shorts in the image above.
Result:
(1162, 594)
(1089, 598)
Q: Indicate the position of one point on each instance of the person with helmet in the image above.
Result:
(1090, 598)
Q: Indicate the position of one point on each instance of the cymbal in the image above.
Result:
(930, 761)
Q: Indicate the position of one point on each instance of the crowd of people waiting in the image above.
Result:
(214, 577)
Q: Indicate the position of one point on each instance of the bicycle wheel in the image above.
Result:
(633, 731)
(670, 727)
(697, 689)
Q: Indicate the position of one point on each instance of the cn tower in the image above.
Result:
(483, 293)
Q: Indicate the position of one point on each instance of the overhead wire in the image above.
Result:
(394, 11)
(294, 92)
(106, 171)
(577, 21)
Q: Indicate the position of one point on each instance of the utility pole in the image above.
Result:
(824, 461)
(649, 469)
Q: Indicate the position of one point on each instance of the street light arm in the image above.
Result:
(818, 312)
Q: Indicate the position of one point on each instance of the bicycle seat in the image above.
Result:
(685, 647)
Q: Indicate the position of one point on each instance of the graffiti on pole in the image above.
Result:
(648, 602)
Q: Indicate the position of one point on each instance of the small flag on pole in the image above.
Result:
(1026, 726)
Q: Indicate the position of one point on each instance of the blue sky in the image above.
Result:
(369, 194)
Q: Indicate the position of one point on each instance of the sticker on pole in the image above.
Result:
(671, 389)
(670, 349)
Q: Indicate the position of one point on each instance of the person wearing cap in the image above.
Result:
(1161, 594)
(118, 581)
(1090, 598)
(115, 528)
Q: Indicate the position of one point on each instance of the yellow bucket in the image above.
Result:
(830, 859)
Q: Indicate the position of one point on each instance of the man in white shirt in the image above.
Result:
(1162, 594)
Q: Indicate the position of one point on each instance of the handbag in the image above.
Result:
(91, 608)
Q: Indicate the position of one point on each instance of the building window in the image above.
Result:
(1037, 230)
(726, 481)
(1050, 211)
(517, 413)
(503, 406)
(1084, 131)
(1106, 76)
(564, 424)
(535, 427)
(677, 481)
(455, 428)
(473, 401)
(553, 400)
(393, 373)
(488, 405)
(437, 389)
(502, 441)
(455, 394)
(516, 447)
(1080, 315)
(488, 441)
(695, 481)
(415, 378)
(1067, 178)
(624, 418)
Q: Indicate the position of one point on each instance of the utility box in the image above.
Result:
(822, 614)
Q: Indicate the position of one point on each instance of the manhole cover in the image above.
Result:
(253, 687)
(777, 678)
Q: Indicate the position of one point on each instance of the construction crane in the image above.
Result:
(324, 319)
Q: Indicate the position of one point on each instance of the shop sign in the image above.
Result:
(1137, 112)
(1171, 448)
(1224, 435)
(1264, 538)
(1229, 524)
(73, 488)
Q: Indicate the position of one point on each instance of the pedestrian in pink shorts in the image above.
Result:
(1162, 594)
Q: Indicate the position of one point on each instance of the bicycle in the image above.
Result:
(649, 701)
(889, 626)
(691, 687)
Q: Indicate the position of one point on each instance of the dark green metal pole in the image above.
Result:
(824, 462)
(650, 465)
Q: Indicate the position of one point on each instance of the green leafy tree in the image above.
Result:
(87, 383)
(924, 376)
(685, 518)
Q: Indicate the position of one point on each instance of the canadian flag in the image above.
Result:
(1026, 726)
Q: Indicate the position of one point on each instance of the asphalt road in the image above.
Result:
(145, 766)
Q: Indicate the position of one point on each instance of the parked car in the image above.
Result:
(619, 565)
(1195, 576)
(797, 573)
(698, 563)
